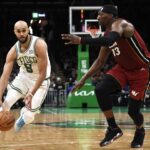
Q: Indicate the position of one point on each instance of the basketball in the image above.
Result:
(7, 120)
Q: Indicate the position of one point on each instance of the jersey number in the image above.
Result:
(116, 51)
(28, 68)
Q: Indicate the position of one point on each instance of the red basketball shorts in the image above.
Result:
(137, 80)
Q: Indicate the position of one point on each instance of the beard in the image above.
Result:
(23, 40)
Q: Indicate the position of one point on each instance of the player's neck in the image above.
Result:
(108, 27)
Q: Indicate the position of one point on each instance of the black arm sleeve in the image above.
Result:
(102, 41)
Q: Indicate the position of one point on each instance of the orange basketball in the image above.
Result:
(7, 120)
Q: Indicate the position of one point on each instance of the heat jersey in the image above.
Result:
(130, 53)
(27, 60)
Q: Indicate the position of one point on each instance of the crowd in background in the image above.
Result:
(64, 58)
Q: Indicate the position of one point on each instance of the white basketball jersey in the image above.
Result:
(27, 60)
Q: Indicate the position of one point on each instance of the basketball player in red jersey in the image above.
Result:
(132, 57)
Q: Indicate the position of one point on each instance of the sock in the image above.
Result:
(112, 123)
(140, 129)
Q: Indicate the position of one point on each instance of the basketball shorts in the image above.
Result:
(138, 80)
(20, 86)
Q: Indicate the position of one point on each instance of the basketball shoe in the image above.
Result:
(138, 138)
(111, 135)
(19, 123)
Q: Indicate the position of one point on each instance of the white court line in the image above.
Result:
(19, 145)
(58, 143)
(37, 144)
(49, 111)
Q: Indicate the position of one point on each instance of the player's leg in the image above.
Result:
(138, 85)
(11, 98)
(138, 119)
(27, 116)
(15, 91)
(103, 91)
(110, 84)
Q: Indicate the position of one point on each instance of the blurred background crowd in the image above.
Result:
(54, 21)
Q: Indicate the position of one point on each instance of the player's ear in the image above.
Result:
(114, 16)
(14, 31)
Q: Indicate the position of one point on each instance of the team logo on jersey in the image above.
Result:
(113, 45)
(134, 93)
(31, 52)
(143, 69)
(26, 60)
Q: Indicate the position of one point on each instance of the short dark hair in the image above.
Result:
(111, 9)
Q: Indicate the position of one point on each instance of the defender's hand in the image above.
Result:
(72, 39)
(77, 86)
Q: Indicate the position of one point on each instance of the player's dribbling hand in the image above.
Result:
(71, 39)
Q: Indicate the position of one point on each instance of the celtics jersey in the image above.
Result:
(27, 60)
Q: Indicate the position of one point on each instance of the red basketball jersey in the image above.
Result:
(130, 53)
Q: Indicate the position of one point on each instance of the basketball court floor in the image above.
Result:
(72, 129)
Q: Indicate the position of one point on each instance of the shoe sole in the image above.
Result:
(17, 129)
(111, 141)
(137, 146)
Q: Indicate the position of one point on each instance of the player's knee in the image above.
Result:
(103, 98)
(11, 98)
(100, 92)
(131, 112)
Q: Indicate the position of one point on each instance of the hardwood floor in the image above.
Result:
(71, 129)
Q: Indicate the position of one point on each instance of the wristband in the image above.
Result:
(30, 94)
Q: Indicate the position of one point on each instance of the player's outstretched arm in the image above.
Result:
(119, 28)
(96, 66)
(102, 41)
(71, 39)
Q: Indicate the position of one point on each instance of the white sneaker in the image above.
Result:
(19, 124)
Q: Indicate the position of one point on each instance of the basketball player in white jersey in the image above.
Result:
(32, 81)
